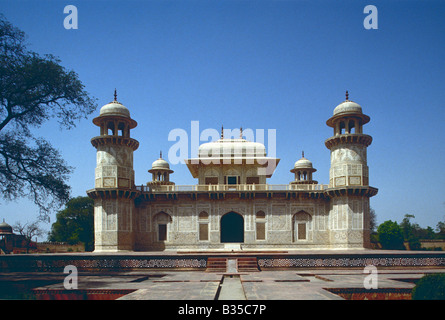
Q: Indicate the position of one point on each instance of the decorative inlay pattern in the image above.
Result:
(57, 263)
(350, 262)
(102, 263)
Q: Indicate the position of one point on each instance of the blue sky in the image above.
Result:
(282, 65)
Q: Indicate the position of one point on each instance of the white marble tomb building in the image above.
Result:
(232, 205)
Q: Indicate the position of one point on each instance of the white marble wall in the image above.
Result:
(348, 165)
(114, 167)
(113, 224)
(339, 224)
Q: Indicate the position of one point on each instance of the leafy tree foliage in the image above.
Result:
(372, 220)
(440, 230)
(34, 89)
(410, 232)
(430, 287)
(413, 233)
(390, 235)
(75, 223)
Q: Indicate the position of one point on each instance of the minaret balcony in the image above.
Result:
(115, 140)
(358, 138)
(113, 193)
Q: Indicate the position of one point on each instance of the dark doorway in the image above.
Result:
(162, 232)
(232, 227)
(232, 180)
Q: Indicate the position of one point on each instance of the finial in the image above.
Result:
(115, 94)
(241, 132)
(347, 95)
(160, 154)
(302, 153)
(222, 132)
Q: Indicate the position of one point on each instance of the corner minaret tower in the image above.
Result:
(348, 145)
(114, 178)
(349, 188)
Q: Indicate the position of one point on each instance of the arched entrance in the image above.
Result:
(232, 228)
(161, 222)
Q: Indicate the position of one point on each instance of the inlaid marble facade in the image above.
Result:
(231, 207)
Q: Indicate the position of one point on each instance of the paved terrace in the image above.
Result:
(271, 283)
(198, 285)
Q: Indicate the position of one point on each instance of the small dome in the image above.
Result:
(5, 228)
(115, 108)
(160, 164)
(303, 163)
(348, 107)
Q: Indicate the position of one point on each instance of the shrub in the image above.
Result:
(430, 287)
(391, 236)
(414, 243)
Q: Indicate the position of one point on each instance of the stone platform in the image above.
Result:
(278, 275)
(194, 286)
(198, 260)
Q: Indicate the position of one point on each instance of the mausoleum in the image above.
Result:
(232, 206)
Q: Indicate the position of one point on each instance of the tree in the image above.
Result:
(34, 89)
(440, 230)
(28, 231)
(427, 233)
(75, 223)
(373, 226)
(372, 220)
(390, 235)
(406, 226)
(411, 232)
(430, 287)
